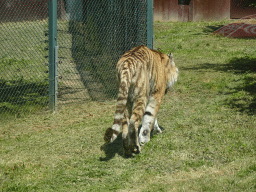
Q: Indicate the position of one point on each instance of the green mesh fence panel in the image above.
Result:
(23, 61)
(92, 36)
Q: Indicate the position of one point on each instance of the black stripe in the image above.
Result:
(148, 113)
(118, 121)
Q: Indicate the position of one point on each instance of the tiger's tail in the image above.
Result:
(125, 82)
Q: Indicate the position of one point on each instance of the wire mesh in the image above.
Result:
(23, 56)
(92, 35)
(91, 38)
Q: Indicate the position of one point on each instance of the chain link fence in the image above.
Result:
(91, 39)
(23, 58)
(92, 35)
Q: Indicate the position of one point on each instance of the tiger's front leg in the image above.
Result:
(149, 121)
(156, 128)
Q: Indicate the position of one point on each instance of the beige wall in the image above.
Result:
(169, 10)
(211, 10)
(166, 10)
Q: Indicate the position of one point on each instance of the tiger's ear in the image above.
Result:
(171, 59)
(170, 55)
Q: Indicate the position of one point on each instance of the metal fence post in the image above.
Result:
(52, 54)
(150, 24)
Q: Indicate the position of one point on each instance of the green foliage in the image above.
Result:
(250, 3)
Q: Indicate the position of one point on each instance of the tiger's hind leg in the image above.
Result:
(125, 125)
(125, 135)
(112, 133)
(136, 117)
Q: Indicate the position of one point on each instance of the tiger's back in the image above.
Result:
(143, 76)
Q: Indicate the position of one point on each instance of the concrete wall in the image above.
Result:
(170, 10)
(166, 10)
(211, 9)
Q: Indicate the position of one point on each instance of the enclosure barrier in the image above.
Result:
(66, 50)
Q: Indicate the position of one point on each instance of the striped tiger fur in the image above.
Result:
(144, 75)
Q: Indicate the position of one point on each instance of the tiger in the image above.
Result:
(144, 76)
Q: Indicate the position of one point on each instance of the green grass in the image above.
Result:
(23, 68)
(208, 142)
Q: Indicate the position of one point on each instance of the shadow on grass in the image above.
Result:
(95, 66)
(235, 65)
(211, 29)
(111, 149)
(249, 86)
(17, 93)
(244, 66)
(98, 43)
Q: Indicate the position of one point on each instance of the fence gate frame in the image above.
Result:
(150, 35)
(53, 48)
(53, 57)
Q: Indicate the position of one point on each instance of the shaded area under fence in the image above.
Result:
(100, 34)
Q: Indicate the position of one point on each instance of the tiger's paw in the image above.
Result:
(136, 149)
(110, 135)
(156, 130)
(144, 136)
(130, 149)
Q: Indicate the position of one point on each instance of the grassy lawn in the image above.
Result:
(23, 68)
(208, 142)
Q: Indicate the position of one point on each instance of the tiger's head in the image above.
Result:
(172, 72)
